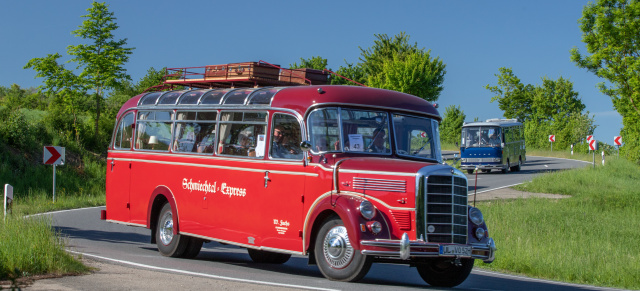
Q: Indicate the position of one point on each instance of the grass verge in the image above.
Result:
(29, 246)
(589, 238)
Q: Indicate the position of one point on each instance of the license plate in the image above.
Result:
(455, 250)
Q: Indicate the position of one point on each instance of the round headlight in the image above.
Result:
(475, 215)
(480, 233)
(374, 227)
(367, 210)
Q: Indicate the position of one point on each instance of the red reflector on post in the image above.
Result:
(103, 214)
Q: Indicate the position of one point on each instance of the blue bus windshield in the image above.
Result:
(481, 136)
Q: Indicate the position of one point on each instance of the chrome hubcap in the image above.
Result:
(336, 248)
(166, 228)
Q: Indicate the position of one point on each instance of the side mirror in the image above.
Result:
(305, 145)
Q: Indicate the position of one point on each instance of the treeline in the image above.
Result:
(80, 108)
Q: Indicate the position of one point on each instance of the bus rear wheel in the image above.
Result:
(193, 248)
(169, 244)
(336, 258)
(444, 272)
(517, 167)
(267, 257)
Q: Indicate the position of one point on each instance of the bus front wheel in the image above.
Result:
(336, 258)
(169, 244)
(444, 272)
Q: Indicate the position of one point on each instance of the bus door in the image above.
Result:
(119, 172)
(283, 200)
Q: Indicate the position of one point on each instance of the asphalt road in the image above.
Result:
(126, 245)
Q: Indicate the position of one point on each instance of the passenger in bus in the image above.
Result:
(377, 142)
(245, 144)
(280, 148)
(494, 140)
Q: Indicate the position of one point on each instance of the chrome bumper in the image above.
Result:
(482, 167)
(404, 249)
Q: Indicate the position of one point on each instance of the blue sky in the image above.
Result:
(473, 38)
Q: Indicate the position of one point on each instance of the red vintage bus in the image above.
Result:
(345, 175)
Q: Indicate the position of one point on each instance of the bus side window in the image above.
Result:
(285, 137)
(195, 132)
(242, 134)
(153, 130)
(323, 127)
(122, 139)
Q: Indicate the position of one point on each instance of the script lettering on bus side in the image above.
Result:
(232, 191)
(198, 186)
(211, 188)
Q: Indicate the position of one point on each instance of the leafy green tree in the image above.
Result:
(16, 97)
(514, 97)
(393, 63)
(317, 63)
(550, 108)
(350, 71)
(102, 60)
(451, 125)
(611, 32)
(67, 88)
(100, 63)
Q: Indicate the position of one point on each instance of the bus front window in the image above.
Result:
(481, 136)
(417, 137)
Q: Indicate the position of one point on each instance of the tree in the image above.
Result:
(611, 32)
(102, 60)
(393, 63)
(67, 89)
(317, 63)
(451, 125)
(550, 108)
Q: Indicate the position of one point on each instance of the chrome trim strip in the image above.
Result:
(126, 223)
(219, 167)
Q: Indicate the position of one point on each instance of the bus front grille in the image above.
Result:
(445, 209)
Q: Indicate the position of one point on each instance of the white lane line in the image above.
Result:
(61, 211)
(201, 274)
(524, 278)
(563, 159)
(495, 189)
(546, 166)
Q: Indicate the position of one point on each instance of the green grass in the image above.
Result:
(29, 246)
(568, 155)
(592, 237)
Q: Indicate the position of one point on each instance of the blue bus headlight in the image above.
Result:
(475, 215)
(464, 160)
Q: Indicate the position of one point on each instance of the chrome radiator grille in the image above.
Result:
(445, 208)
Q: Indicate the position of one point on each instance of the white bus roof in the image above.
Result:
(494, 122)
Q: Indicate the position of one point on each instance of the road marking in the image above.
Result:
(201, 274)
(495, 189)
(524, 278)
(60, 211)
(546, 166)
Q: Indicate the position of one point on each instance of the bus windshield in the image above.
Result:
(485, 136)
(368, 131)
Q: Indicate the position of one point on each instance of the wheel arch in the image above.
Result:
(344, 207)
(158, 198)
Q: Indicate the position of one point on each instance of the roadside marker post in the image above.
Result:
(8, 200)
(552, 138)
(53, 156)
(603, 158)
(593, 145)
(572, 149)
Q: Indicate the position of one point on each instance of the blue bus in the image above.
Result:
(493, 144)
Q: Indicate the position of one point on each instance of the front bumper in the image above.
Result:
(405, 249)
(482, 167)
